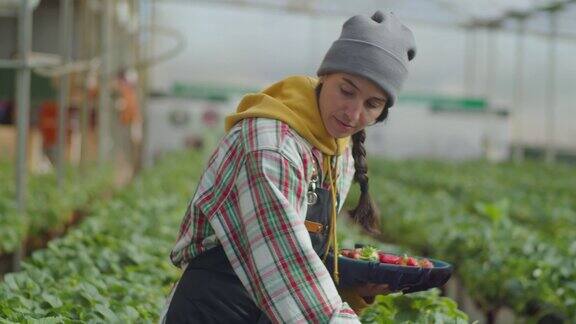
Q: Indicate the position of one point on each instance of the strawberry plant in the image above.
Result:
(421, 307)
(48, 209)
(114, 267)
(508, 233)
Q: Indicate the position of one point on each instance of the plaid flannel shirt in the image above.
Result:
(252, 200)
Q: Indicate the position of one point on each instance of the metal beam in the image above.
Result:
(490, 79)
(65, 35)
(473, 23)
(104, 91)
(518, 154)
(23, 115)
(551, 90)
(470, 61)
(32, 63)
(143, 79)
(491, 62)
(306, 10)
(514, 14)
(86, 23)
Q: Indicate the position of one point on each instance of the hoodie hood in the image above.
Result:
(292, 101)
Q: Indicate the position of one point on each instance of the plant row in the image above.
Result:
(48, 208)
(539, 196)
(114, 266)
(507, 236)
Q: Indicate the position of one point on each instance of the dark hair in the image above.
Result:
(365, 212)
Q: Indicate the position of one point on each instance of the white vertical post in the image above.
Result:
(551, 89)
(147, 49)
(66, 12)
(491, 55)
(518, 89)
(86, 32)
(104, 93)
(470, 62)
(23, 107)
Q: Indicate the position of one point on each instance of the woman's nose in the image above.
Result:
(353, 110)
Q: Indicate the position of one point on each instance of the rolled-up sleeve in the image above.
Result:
(260, 224)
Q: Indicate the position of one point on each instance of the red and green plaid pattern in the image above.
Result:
(252, 199)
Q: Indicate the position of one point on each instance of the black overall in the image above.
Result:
(210, 291)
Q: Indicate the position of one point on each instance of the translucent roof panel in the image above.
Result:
(447, 13)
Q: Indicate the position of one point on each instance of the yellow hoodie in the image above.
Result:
(292, 101)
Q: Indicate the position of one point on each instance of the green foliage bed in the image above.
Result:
(48, 208)
(508, 229)
(114, 267)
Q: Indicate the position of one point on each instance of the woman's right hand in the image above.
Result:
(360, 297)
(369, 290)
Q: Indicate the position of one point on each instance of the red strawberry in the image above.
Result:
(355, 255)
(412, 262)
(345, 252)
(425, 263)
(389, 258)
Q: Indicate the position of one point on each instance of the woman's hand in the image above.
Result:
(369, 290)
(362, 296)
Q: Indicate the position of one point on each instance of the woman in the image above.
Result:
(255, 234)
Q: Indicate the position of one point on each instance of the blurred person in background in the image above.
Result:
(255, 234)
(128, 119)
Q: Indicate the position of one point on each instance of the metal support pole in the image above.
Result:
(136, 129)
(146, 49)
(66, 11)
(551, 89)
(470, 61)
(518, 89)
(23, 112)
(104, 93)
(86, 30)
(491, 55)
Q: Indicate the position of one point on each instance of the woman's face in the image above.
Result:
(349, 103)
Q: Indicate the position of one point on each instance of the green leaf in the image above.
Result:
(48, 320)
(54, 301)
(106, 312)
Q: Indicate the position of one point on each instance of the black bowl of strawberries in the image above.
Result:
(401, 272)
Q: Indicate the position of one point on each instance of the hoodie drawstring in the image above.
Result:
(333, 236)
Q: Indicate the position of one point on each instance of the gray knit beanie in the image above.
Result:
(377, 48)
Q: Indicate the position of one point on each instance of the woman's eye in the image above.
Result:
(374, 105)
(346, 93)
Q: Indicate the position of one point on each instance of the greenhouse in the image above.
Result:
(283, 161)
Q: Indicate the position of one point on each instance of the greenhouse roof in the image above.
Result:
(502, 14)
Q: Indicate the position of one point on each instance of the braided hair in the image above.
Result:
(365, 213)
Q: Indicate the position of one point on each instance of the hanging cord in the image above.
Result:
(333, 236)
(334, 221)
